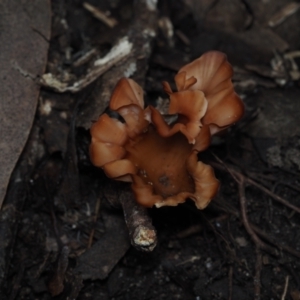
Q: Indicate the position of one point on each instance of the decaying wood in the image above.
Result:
(140, 34)
(128, 58)
(288, 10)
(119, 52)
(141, 231)
(98, 14)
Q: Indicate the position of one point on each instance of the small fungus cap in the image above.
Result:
(211, 74)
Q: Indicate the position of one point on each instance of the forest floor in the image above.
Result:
(64, 240)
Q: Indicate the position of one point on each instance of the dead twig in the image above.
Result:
(251, 228)
(183, 37)
(85, 58)
(97, 209)
(141, 231)
(230, 280)
(194, 229)
(140, 33)
(254, 231)
(266, 236)
(285, 287)
(284, 13)
(56, 283)
(17, 282)
(236, 174)
(258, 267)
(219, 235)
(258, 242)
(119, 52)
(269, 239)
(101, 16)
(290, 186)
(274, 196)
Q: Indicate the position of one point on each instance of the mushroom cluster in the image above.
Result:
(160, 159)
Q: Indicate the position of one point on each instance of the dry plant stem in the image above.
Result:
(241, 179)
(236, 174)
(85, 58)
(230, 277)
(258, 267)
(56, 283)
(119, 52)
(17, 282)
(285, 287)
(217, 234)
(194, 229)
(140, 34)
(258, 242)
(91, 237)
(274, 196)
(141, 231)
(98, 14)
(291, 186)
(284, 13)
(183, 37)
(273, 241)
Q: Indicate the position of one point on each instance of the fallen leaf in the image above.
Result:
(98, 261)
(25, 31)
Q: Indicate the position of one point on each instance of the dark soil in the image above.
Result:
(64, 239)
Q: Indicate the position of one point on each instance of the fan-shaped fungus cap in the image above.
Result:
(163, 169)
(160, 159)
(210, 74)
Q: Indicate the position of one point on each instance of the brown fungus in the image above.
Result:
(211, 74)
(160, 159)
